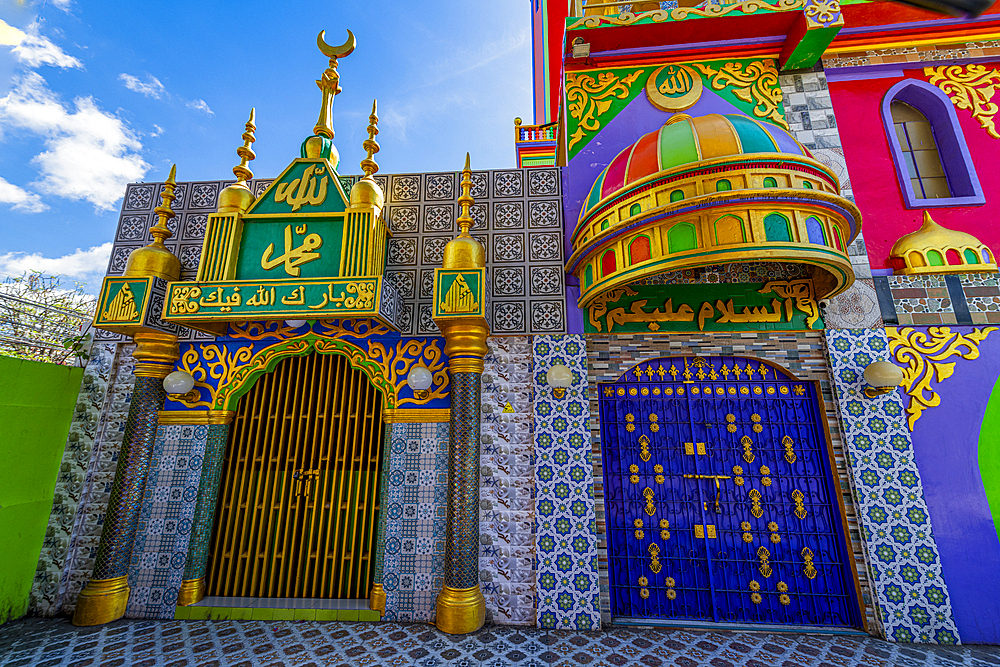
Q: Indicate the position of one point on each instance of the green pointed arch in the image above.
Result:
(989, 454)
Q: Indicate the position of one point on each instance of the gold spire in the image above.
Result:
(155, 259)
(242, 171)
(368, 165)
(463, 251)
(329, 84)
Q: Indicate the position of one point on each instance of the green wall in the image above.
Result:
(989, 454)
(37, 401)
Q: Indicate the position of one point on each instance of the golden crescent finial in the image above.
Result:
(345, 49)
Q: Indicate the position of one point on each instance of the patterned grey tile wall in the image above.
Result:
(89, 522)
(164, 529)
(70, 482)
(801, 352)
(507, 486)
(416, 516)
(518, 219)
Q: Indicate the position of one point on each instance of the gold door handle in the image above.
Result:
(718, 488)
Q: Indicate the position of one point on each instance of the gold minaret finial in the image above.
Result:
(242, 171)
(156, 259)
(160, 232)
(329, 84)
(368, 165)
(465, 201)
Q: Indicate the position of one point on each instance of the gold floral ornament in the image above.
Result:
(588, 98)
(747, 535)
(664, 533)
(970, 87)
(658, 469)
(755, 418)
(218, 363)
(643, 591)
(808, 568)
(653, 426)
(800, 508)
(754, 83)
(630, 425)
(775, 537)
(924, 354)
(766, 481)
(754, 587)
(730, 420)
(670, 583)
(789, 446)
(747, 448)
(738, 475)
(654, 562)
(650, 507)
(634, 477)
(765, 566)
(397, 361)
(644, 448)
(755, 507)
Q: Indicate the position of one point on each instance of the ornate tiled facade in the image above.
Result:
(165, 520)
(905, 563)
(568, 579)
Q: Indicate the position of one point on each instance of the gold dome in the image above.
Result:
(936, 249)
(367, 192)
(235, 198)
(153, 260)
(464, 252)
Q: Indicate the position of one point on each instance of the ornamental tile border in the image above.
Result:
(905, 563)
(507, 483)
(83, 431)
(416, 517)
(164, 530)
(568, 577)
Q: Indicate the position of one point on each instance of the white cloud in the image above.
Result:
(91, 154)
(62, 4)
(19, 198)
(150, 88)
(157, 131)
(201, 105)
(32, 49)
(86, 266)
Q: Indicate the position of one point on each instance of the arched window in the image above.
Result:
(638, 250)
(723, 186)
(776, 228)
(836, 238)
(916, 259)
(987, 256)
(933, 163)
(729, 229)
(807, 185)
(635, 209)
(934, 258)
(815, 230)
(676, 195)
(970, 256)
(588, 276)
(682, 236)
(952, 256)
(605, 224)
(608, 263)
(770, 182)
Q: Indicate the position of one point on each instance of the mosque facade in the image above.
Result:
(721, 351)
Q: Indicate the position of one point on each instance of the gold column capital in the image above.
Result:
(376, 599)
(465, 343)
(460, 610)
(101, 601)
(155, 354)
(192, 591)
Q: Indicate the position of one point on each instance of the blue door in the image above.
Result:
(720, 504)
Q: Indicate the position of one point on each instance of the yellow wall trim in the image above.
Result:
(194, 417)
(400, 416)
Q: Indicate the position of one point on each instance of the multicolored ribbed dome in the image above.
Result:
(683, 140)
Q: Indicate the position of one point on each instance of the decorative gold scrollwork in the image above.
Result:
(756, 84)
(654, 562)
(730, 419)
(807, 558)
(924, 354)
(755, 507)
(765, 567)
(650, 507)
(747, 448)
(789, 449)
(644, 448)
(222, 364)
(800, 508)
(970, 87)
(589, 98)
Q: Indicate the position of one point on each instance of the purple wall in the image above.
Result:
(946, 446)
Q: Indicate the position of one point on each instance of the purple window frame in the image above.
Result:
(954, 152)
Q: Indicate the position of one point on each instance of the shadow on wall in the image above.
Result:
(36, 406)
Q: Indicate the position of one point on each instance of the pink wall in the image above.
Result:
(857, 105)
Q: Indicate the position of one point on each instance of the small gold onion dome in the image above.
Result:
(936, 249)
(155, 259)
(463, 251)
(236, 197)
(367, 192)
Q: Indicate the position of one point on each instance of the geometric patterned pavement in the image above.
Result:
(50, 642)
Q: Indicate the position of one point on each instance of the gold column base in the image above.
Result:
(376, 599)
(460, 610)
(101, 601)
(192, 590)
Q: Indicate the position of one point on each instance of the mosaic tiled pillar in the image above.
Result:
(906, 566)
(165, 521)
(507, 483)
(568, 581)
(376, 598)
(192, 588)
(83, 433)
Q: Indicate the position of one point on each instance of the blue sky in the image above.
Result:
(94, 95)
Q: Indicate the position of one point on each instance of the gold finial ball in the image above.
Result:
(367, 192)
(153, 260)
(464, 252)
(318, 146)
(234, 198)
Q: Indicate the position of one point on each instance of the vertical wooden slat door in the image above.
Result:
(298, 503)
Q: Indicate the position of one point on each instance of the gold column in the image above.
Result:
(461, 607)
